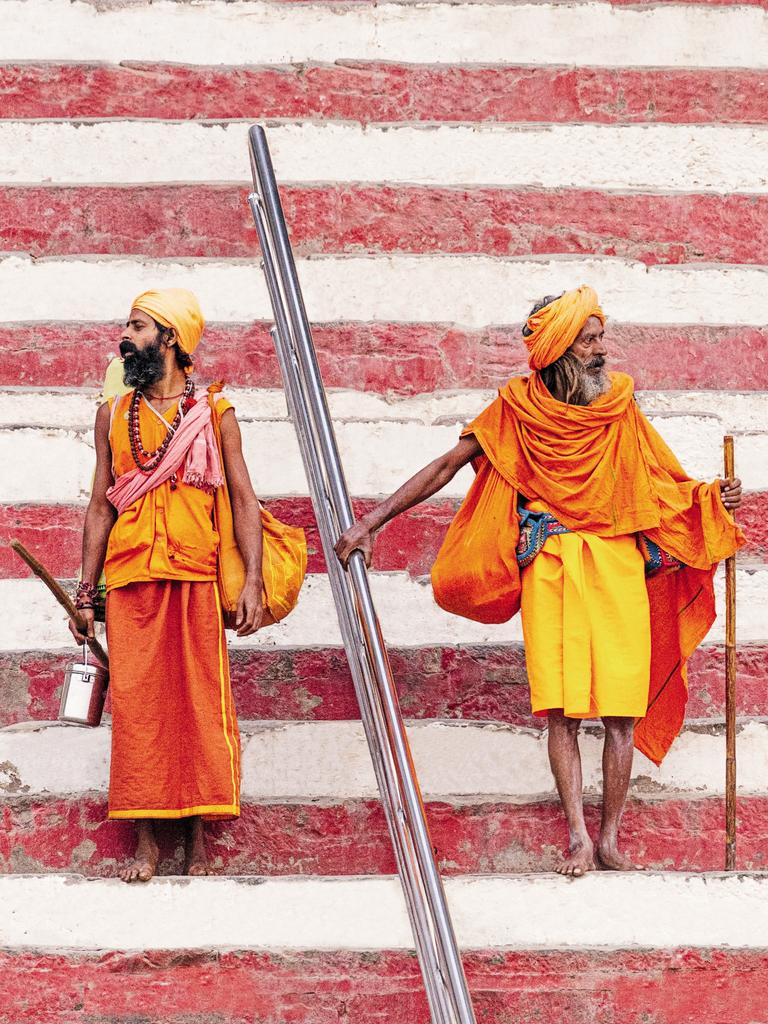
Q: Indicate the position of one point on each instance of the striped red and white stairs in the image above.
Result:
(442, 166)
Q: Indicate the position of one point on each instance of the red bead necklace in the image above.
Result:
(146, 461)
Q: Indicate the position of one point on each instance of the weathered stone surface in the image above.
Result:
(402, 358)
(683, 986)
(371, 92)
(351, 838)
(214, 220)
(472, 682)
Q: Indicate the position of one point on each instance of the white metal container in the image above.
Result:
(84, 692)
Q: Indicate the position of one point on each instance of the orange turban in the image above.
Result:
(555, 327)
(176, 308)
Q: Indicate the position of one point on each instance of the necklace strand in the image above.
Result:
(146, 461)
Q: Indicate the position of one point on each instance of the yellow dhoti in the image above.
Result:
(586, 625)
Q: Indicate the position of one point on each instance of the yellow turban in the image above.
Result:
(555, 327)
(177, 308)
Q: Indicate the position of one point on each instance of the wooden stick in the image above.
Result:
(62, 597)
(730, 686)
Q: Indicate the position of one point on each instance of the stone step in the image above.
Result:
(473, 682)
(55, 834)
(213, 220)
(701, 35)
(409, 543)
(202, 986)
(651, 157)
(473, 291)
(602, 910)
(381, 443)
(460, 762)
(606, 949)
(408, 613)
(48, 406)
(401, 358)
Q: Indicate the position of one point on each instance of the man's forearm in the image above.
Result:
(421, 486)
(96, 531)
(248, 534)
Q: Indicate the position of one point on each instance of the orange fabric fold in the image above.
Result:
(602, 469)
(166, 533)
(175, 741)
(555, 327)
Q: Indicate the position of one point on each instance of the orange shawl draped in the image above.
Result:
(601, 468)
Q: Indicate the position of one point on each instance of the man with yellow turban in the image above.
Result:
(581, 518)
(164, 452)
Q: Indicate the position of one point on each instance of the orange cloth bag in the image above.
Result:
(283, 560)
(476, 573)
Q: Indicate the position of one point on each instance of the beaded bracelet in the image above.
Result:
(86, 592)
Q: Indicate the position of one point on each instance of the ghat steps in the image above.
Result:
(305, 922)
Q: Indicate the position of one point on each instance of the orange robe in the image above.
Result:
(601, 469)
(175, 741)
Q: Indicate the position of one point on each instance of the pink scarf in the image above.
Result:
(193, 440)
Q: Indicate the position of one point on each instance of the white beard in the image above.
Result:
(595, 383)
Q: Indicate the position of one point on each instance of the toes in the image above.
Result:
(137, 873)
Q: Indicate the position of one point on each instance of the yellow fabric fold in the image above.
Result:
(176, 308)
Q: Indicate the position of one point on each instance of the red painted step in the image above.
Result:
(350, 838)
(684, 986)
(408, 544)
(385, 92)
(401, 358)
(478, 683)
(54, 533)
(214, 220)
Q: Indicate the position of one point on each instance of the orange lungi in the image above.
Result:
(175, 742)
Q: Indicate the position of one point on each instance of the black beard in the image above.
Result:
(143, 367)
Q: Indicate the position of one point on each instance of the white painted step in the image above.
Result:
(301, 762)
(379, 452)
(601, 910)
(657, 157)
(252, 33)
(738, 411)
(474, 291)
(32, 620)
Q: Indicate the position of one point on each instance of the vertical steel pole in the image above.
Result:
(730, 686)
(434, 937)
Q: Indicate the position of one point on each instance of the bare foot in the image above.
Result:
(198, 868)
(579, 860)
(144, 864)
(196, 858)
(610, 858)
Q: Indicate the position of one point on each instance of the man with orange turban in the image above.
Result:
(164, 452)
(581, 518)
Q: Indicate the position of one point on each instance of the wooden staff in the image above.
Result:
(730, 686)
(62, 597)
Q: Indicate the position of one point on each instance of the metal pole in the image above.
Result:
(435, 941)
(368, 697)
(386, 771)
(730, 686)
